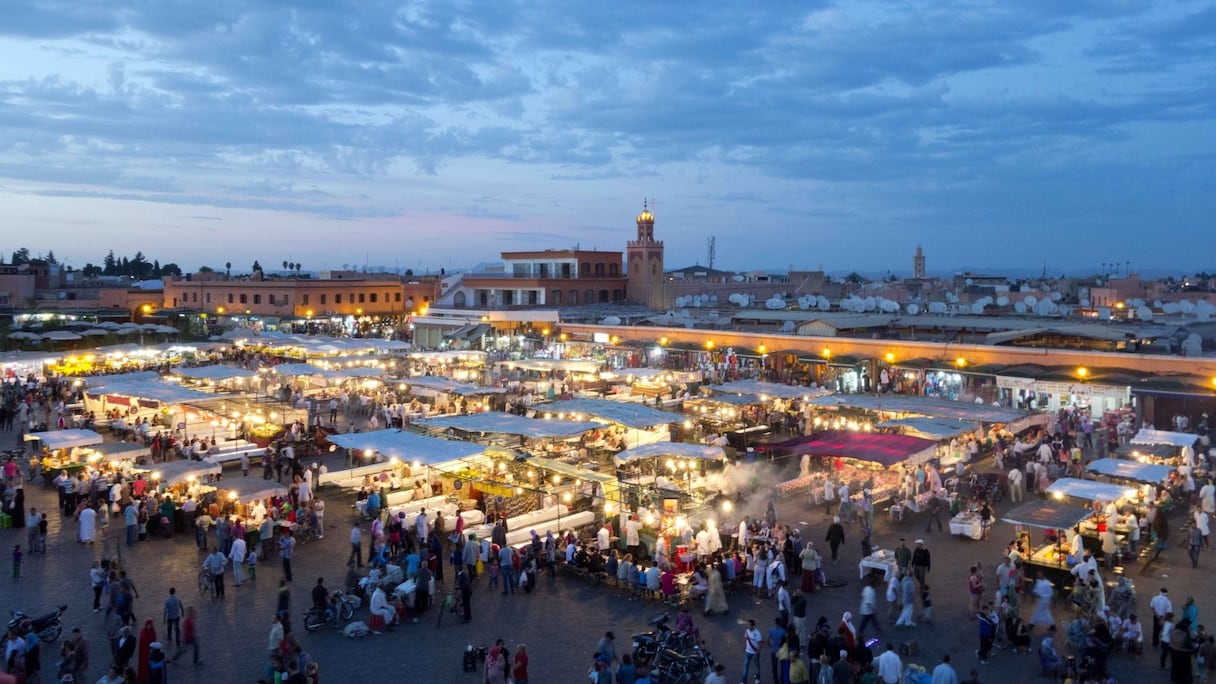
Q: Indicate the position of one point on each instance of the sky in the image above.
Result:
(1011, 134)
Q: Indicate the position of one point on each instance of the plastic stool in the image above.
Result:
(376, 621)
(6, 521)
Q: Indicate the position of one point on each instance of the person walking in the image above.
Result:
(935, 512)
(1161, 606)
(944, 673)
(1016, 488)
(287, 546)
(466, 593)
(835, 537)
(921, 562)
(189, 637)
(237, 555)
(214, 564)
(987, 622)
(98, 579)
(868, 608)
(752, 640)
(173, 617)
(356, 544)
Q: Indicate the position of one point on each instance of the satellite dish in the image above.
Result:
(1002, 301)
(787, 326)
(611, 320)
(1019, 307)
(1056, 296)
(977, 308)
(913, 309)
(1144, 313)
(1186, 306)
(1171, 307)
(969, 281)
(1030, 300)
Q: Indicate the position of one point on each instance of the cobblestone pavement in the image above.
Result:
(560, 622)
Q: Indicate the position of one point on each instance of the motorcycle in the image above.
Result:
(341, 610)
(48, 627)
(648, 645)
(675, 666)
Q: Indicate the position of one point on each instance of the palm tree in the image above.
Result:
(284, 264)
(227, 268)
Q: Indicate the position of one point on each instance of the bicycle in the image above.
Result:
(206, 584)
(448, 605)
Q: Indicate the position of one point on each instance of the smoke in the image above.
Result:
(748, 487)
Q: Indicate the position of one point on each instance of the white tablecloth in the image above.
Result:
(967, 525)
(886, 564)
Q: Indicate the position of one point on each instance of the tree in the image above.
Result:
(155, 268)
(256, 266)
(284, 265)
(50, 257)
(297, 268)
(21, 256)
(109, 264)
(227, 268)
(90, 270)
(171, 269)
(205, 269)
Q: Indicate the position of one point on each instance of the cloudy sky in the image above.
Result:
(1002, 134)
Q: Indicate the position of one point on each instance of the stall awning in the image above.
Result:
(1051, 515)
(575, 471)
(1178, 439)
(674, 450)
(1130, 470)
(252, 488)
(450, 386)
(510, 424)
(1135, 451)
(174, 472)
(408, 446)
(122, 451)
(769, 390)
(887, 450)
(298, 369)
(923, 406)
(216, 373)
(65, 439)
(1086, 489)
(931, 428)
(619, 412)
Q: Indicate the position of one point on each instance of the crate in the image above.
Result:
(6, 521)
(908, 647)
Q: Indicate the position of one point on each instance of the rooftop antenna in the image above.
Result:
(713, 249)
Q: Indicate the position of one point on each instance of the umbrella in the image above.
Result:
(21, 335)
(61, 336)
(95, 332)
(108, 325)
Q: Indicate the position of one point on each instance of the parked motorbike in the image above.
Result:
(674, 666)
(48, 627)
(342, 608)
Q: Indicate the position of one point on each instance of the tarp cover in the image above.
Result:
(122, 451)
(1130, 470)
(174, 472)
(1178, 439)
(1153, 450)
(251, 488)
(672, 449)
(214, 373)
(156, 390)
(1086, 489)
(511, 424)
(923, 406)
(622, 413)
(931, 428)
(450, 386)
(1051, 515)
(408, 446)
(768, 389)
(65, 439)
(863, 446)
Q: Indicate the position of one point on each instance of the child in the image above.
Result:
(252, 559)
(926, 615)
(42, 527)
(17, 562)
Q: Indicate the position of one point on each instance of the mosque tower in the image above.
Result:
(644, 261)
(918, 264)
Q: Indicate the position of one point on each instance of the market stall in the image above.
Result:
(1120, 469)
(1105, 500)
(1048, 557)
(866, 460)
(553, 437)
(62, 450)
(1184, 442)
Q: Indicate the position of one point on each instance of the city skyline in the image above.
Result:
(802, 136)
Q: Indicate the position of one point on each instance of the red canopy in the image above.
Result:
(863, 446)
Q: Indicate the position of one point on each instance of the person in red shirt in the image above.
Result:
(519, 668)
(189, 636)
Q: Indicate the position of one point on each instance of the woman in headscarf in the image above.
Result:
(715, 598)
(1049, 660)
(1190, 611)
(495, 667)
(147, 636)
(1182, 650)
(848, 630)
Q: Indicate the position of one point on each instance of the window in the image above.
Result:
(208, 300)
(257, 299)
(599, 269)
(555, 297)
(397, 297)
(337, 298)
(572, 297)
(194, 297)
(229, 297)
(614, 269)
(244, 298)
(589, 297)
(603, 296)
(362, 298)
(586, 270)
(305, 302)
(373, 295)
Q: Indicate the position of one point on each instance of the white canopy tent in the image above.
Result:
(510, 424)
(672, 449)
(65, 439)
(1087, 489)
(216, 373)
(1178, 439)
(407, 446)
(174, 472)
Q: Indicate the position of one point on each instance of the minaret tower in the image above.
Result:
(644, 261)
(918, 264)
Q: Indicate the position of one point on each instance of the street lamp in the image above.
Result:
(1083, 373)
(960, 362)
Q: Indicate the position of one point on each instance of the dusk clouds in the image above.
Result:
(996, 134)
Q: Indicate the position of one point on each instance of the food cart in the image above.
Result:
(62, 451)
(1048, 557)
(1105, 500)
(1184, 442)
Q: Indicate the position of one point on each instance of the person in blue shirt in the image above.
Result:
(776, 637)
